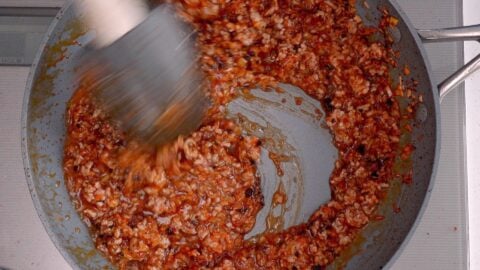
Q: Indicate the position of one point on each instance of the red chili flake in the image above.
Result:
(407, 151)
(406, 70)
(298, 101)
(407, 178)
(396, 208)
(393, 21)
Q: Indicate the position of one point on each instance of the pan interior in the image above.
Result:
(381, 241)
(297, 154)
(50, 87)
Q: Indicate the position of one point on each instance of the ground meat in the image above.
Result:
(161, 216)
(194, 212)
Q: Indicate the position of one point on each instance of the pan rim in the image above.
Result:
(33, 73)
(436, 105)
(27, 164)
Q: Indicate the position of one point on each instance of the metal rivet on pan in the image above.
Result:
(422, 113)
(395, 33)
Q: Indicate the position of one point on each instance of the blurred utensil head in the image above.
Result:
(149, 80)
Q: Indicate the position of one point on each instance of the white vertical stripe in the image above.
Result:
(471, 15)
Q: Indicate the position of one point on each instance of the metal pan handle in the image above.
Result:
(454, 34)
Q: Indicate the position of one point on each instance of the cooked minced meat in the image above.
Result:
(195, 211)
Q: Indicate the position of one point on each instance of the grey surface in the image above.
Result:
(32, 3)
(444, 250)
(21, 35)
(293, 131)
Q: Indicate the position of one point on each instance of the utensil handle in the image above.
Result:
(458, 77)
(112, 18)
(464, 33)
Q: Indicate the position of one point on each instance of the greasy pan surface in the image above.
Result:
(50, 86)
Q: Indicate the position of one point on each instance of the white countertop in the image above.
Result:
(438, 242)
(471, 15)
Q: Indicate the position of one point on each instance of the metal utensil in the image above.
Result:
(145, 69)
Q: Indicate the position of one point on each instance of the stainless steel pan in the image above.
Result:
(51, 84)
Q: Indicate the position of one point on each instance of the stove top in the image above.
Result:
(439, 242)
